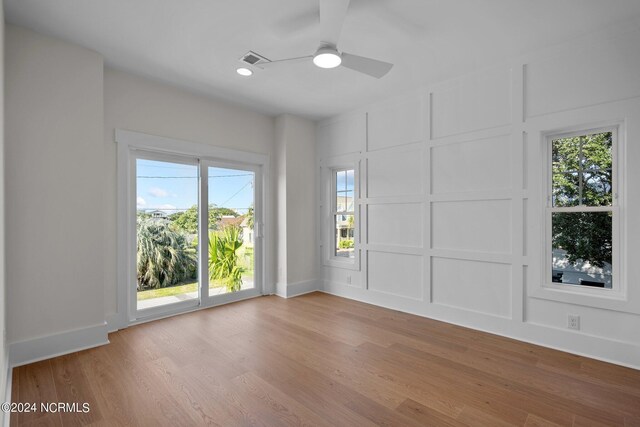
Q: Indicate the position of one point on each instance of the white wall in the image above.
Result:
(296, 194)
(280, 176)
(54, 187)
(142, 105)
(4, 360)
(452, 199)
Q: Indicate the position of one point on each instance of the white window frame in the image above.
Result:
(617, 291)
(329, 211)
(128, 143)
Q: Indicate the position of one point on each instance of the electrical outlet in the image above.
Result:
(573, 322)
(348, 279)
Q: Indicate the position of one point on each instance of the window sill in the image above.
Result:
(603, 298)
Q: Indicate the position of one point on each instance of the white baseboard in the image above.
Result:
(115, 322)
(595, 347)
(281, 290)
(41, 348)
(299, 288)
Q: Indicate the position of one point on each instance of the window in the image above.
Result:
(340, 212)
(582, 210)
(343, 213)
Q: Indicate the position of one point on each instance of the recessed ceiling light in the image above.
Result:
(244, 71)
(327, 57)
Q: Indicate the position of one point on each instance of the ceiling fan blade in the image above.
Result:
(332, 14)
(369, 66)
(269, 64)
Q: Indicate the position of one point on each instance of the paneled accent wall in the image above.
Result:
(451, 196)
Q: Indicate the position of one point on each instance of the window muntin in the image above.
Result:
(343, 202)
(582, 210)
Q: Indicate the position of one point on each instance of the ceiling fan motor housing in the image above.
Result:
(327, 56)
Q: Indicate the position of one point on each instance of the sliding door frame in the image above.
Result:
(212, 300)
(176, 307)
(128, 143)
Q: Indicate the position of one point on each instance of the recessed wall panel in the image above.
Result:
(395, 173)
(477, 226)
(480, 101)
(396, 274)
(473, 285)
(346, 134)
(397, 224)
(604, 72)
(396, 123)
(471, 166)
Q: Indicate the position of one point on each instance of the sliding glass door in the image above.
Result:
(233, 246)
(167, 232)
(196, 240)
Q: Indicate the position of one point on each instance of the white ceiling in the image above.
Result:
(196, 44)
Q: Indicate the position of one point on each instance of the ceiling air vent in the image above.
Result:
(253, 58)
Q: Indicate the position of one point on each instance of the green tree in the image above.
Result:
(143, 215)
(582, 170)
(164, 257)
(250, 217)
(584, 235)
(188, 220)
(223, 257)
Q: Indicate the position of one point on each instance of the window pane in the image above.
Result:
(344, 241)
(349, 201)
(566, 154)
(350, 180)
(166, 233)
(596, 151)
(231, 237)
(597, 188)
(582, 248)
(341, 180)
(341, 201)
(582, 170)
(566, 189)
(341, 188)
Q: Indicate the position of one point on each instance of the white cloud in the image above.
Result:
(158, 192)
(141, 202)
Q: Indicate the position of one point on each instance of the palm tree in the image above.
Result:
(164, 257)
(223, 259)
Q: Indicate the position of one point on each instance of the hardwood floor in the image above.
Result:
(326, 361)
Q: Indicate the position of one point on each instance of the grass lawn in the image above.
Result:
(167, 292)
(181, 289)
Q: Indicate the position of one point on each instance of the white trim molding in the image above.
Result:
(291, 290)
(46, 347)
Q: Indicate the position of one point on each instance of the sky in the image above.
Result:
(173, 187)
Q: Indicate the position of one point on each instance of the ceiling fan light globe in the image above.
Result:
(327, 58)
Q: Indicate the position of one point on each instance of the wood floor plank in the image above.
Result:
(37, 386)
(427, 416)
(15, 391)
(72, 387)
(47, 420)
(323, 360)
(536, 421)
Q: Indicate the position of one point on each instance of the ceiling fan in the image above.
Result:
(332, 15)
